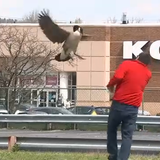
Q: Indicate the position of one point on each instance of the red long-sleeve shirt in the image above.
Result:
(130, 79)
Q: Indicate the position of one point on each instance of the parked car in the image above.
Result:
(145, 113)
(158, 114)
(3, 109)
(32, 112)
(102, 110)
(90, 110)
(81, 109)
(49, 110)
(140, 127)
(23, 107)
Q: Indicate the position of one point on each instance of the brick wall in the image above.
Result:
(135, 33)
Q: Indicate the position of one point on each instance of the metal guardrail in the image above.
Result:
(78, 144)
(74, 144)
(82, 144)
(88, 119)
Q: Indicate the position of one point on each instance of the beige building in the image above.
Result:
(94, 71)
(103, 52)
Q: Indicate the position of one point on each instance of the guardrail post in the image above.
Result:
(49, 126)
(11, 142)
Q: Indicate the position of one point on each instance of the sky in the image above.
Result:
(87, 10)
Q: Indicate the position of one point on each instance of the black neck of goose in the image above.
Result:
(75, 28)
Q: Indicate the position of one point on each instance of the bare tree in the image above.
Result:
(136, 20)
(7, 20)
(111, 20)
(78, 20)
(32, 17)
(23, 58)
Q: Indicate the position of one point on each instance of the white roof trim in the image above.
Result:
(88, 24)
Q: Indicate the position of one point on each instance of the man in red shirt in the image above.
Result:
(130, 79)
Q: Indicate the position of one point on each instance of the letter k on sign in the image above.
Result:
(136, 49)
(129, 48)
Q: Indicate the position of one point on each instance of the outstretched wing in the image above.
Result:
(52, 31)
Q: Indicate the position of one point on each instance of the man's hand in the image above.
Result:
(111, 88)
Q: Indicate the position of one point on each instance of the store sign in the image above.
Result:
(51, 80)
(129, 48)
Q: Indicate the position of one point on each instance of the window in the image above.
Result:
(25, 96)
(72, 86)
(34, 94)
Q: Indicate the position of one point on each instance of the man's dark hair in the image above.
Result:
(144, 57)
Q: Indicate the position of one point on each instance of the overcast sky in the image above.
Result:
(87, 10)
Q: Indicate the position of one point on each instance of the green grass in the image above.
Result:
(5, 155)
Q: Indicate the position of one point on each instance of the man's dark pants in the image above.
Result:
(125, 115)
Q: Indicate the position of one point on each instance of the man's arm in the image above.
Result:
(119, 74)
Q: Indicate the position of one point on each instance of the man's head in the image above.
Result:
(145, 58)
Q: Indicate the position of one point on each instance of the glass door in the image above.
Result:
(51, 98)
(34, 96)
(43, 98)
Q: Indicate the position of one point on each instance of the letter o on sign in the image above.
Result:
(155, 50)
